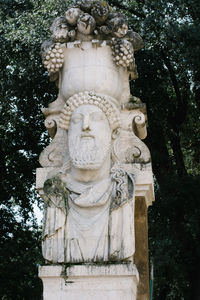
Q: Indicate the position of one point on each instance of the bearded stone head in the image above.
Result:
(92, 121)
(89, 137)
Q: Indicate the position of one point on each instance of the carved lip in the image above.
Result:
(87, 135)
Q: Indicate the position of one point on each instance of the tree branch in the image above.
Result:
(177, 118)
(181, 109)
(177, 151)
(131, 10)
(172, 74)
(161, 161)
(196, 89)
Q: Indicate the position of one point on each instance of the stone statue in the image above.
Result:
(90, 206)
(96, 176)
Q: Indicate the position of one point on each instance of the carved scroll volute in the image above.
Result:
(51, 125)
(128, 148)
(139, 125)
(54, 154)
(52, 113)
(134, 121)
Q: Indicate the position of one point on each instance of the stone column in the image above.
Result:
(95, 176)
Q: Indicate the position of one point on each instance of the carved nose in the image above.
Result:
(86, 123)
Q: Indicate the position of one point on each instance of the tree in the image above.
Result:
(23, 28)
(20, 254)
(169, 83)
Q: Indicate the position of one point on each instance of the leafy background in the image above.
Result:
(169, 83)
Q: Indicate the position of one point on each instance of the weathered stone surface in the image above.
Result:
(87, 21)
(86, 206)
(89, 282)
(99, 74)
(96, 180)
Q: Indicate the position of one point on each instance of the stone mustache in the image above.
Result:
(88, 177)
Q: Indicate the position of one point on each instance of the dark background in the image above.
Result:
(169, 84)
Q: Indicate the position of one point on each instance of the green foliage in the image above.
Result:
(174, 243)
(169, 83)
(20, 255)
(25, 89)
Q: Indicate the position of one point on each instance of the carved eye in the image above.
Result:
(76, 118)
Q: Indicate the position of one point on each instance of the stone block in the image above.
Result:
(89, 282)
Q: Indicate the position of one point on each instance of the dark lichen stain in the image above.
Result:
(68, 282)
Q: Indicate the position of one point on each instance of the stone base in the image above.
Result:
(89, 282)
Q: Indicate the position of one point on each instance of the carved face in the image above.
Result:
(89, 137)
(119, 26)
(86, 5)
(72, 15)
(60, 35)
(86, 24)
(121, 31)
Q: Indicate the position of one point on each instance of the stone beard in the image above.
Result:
(90, 210)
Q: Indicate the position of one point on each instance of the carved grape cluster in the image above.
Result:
(54, 58)
(88, 20)
(122, 52)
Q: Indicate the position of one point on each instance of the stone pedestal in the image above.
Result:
(89, 282)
